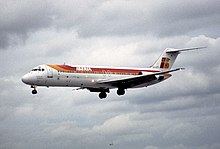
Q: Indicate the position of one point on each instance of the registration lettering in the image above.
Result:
(83, 69)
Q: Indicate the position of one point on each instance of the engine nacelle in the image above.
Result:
(163, 77)
(160, 77)
(144, 73)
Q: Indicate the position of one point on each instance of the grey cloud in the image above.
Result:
(57, 117)
(129, 17)
(103, 18)
(182, 112)
(18, 18)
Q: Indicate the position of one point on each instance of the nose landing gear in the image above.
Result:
(34, 91)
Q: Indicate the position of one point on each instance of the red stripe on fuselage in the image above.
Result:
(121, 70)
(68, 68)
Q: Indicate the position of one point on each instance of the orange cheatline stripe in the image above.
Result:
(67, 67)
(99, 70)
(57, 67)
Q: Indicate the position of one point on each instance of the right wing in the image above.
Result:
(135, 81)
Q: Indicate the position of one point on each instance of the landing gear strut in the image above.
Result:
(102, 95)
(120, 91)
(34, 91)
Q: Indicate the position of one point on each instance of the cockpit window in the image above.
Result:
(37, 69)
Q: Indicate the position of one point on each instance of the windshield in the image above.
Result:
(37, 69)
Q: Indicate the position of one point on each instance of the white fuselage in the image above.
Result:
(82, 76)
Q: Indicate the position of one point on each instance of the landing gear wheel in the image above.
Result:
(120, 92)
(102, 95)
(34, 91)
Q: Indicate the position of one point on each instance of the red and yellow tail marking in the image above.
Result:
(165, 63)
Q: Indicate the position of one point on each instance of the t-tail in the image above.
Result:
(168, 57)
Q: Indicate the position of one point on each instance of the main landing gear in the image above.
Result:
(120, 91)
(34, 91)
(103, 94)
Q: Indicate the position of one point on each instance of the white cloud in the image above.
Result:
(182, 112)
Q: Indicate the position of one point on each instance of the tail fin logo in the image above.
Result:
(165, 63)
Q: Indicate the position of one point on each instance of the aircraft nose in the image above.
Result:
(25, 79)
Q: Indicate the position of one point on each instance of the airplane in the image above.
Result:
(102, 79)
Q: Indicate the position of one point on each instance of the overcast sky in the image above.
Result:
(182, 112)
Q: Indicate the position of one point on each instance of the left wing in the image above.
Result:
(135, 81)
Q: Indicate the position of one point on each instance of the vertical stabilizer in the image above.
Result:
(166, 60)
(168, 57)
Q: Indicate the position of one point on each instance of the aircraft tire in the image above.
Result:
(102, 95)
(34, 92)
(120, 92)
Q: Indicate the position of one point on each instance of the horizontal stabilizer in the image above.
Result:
(180, 50)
